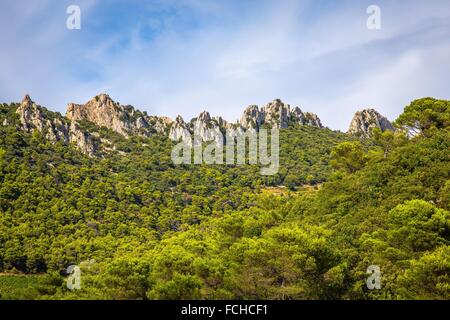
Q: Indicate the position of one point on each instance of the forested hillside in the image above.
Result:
(141, 227)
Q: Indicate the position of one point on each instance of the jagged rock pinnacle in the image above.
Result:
(365, 121)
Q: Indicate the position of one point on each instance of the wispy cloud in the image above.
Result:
(180, 57)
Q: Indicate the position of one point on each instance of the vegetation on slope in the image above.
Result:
(159, 231)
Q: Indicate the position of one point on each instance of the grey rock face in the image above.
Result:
(233, 129)
(53, 126)
(179, 130)
(277, 114)
(366, 120)
(33, 117)
(206, 128)
(161, 125)
(83, 140)
(104, 112)
(125, 120)
(297, 115)
(311, 119)
(252, 118)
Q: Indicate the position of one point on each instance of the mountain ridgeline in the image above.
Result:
(97, 188)
(102, 111)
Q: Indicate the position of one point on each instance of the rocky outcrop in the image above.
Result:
(82, 139)
(53, 126)
(366, 120)
(104, 112)
(202, 128)
(277, 114)
(31, 116)
(206, 128)
(179, 130)
(49, 123)
(233, 129)
(252, 118)
(161, 125)
(311, 119)
(125, 120)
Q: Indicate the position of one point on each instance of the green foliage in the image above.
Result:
(428, 277)
(418, 225)
(160, 231)
(19, 287)
(426, 113)
(348, 156)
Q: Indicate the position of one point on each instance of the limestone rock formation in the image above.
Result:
(53, 126)
(311, 119)
(277, 114)
(179, 130)
(206, 128)
(33, 117)
(104, 112)
(366, 120)
(83, 140)
(252, 118)
(233, 129)
(125, 120)
(161, 125)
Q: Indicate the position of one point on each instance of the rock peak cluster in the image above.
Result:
(127, 121)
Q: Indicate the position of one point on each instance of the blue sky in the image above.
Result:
(184, 56)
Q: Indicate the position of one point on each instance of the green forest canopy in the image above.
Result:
(142, 228)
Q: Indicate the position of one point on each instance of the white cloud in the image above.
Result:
(233, 54)
(389, 88)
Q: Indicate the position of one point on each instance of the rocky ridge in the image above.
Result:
(54, 126)
(277, 114)
(105, 112)
(127, 121)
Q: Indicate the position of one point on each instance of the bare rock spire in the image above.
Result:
(366, 120)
